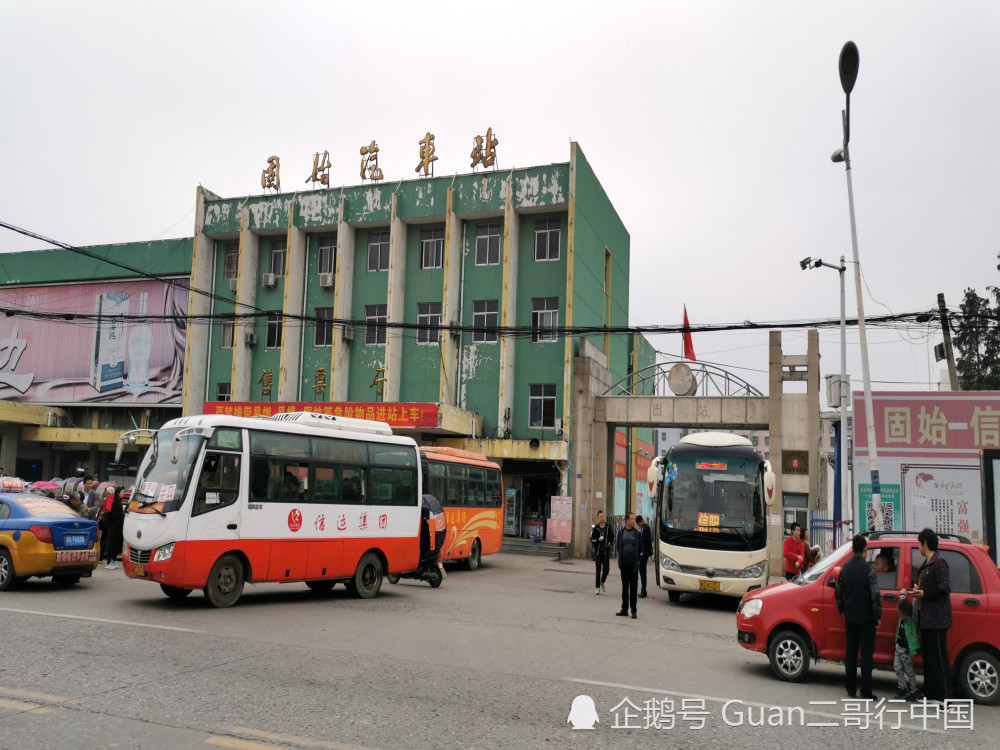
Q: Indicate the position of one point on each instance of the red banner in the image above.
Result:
(403, 415)
(620, 470)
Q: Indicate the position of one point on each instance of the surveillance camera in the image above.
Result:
(804, 263)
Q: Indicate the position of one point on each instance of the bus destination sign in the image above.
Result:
(710, 465)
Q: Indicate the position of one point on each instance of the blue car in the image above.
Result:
(42, 537)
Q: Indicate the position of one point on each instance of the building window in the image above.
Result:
(485, 315)
(278, 256)
(227, 334)
(432, 248)
(323, 333)
(378, 251)
(544, 319)
(223, 392)
(273, 340)
(325, 260)
(547, 233)
(542, 406)
(429, 318)
(488, 245)
(230, 259)
(376, 317)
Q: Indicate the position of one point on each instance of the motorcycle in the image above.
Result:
(430, 567)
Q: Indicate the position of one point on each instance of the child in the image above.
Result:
(907, 646)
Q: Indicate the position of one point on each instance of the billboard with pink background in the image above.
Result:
(112, 355)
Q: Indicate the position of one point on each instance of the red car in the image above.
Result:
(794, 622)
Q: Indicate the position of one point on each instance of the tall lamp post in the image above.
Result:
(838, 502)
(849, 63)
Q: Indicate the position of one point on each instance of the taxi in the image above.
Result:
(42, 537)
(796, 622)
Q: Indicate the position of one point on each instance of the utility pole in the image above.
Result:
(948, 351)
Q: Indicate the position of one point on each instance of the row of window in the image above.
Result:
(463, 486)
(488, 237)
(485, 316)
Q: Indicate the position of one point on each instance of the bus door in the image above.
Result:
(215, 510)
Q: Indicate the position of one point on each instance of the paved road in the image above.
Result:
(493, 658)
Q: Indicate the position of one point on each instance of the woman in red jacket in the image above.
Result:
(794, 553)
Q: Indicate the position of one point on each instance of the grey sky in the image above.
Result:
(710, 125)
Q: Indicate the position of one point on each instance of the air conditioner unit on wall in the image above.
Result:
(234, 284)
(250, 338)
(269, 280)
(326, 280)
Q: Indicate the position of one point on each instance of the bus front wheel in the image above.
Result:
(368, 577)
(674, 596)
(174, 592)
(225, 582)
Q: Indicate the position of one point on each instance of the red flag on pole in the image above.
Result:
(688, 343)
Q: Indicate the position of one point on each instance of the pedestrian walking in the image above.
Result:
(794, 552)
(114, 523)
(859, 602)
(628, 545)
(933, 597)
(645, 551)
(907, 646)
(600, 543)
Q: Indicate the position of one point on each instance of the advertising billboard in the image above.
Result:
(91, 342)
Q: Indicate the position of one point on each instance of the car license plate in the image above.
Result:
(83, 555)
(710, 585)
(75, 539)
(138, 570)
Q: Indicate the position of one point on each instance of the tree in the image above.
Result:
(978, 341)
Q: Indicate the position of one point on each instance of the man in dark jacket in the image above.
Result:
(859, 602)
(933, 596)
(600, 543)
(645, 551)
(629, 549)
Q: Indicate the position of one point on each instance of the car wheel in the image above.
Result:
(789, 655)
(674, 596)
(7, 576)
(979, 677)
(70, 580)
(174, 592)
(321, 587)
(392, 578)
(225, 582)
(474, 558)
(368, 577)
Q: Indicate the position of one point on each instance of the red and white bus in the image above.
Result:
(470, 488)
(220, 501)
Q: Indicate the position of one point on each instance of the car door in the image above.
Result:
(832, 642)
(968, 603)
(889, 583)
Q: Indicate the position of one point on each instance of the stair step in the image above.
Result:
(515, 546)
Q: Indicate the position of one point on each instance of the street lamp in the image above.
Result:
(849, 63)
(838, 502)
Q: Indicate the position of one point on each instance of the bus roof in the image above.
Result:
(299, 423)
(456, 455)
(716, 440)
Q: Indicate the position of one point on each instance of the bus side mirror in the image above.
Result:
(118, 451)
(769, 480)
(175, 449)
(652, 476)
(834, 575)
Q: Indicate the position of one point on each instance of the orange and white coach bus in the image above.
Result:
(470, 488)
(220, 501)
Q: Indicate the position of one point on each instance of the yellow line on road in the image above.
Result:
(23, 706)
(289, 739)
(233, 742)
(24, 694)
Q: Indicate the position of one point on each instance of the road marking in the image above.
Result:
(233, 742)
(289, 739)
(24, 694)
(23, 706)
(101, 619)
(716, 699)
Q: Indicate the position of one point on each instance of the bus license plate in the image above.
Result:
(709, 585)
(138, 570)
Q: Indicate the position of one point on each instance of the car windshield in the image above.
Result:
(824, 565)
(714, 502)
(161, 484)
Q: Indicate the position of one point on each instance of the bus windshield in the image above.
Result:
(161, 485)
(714, 502)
